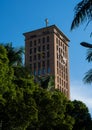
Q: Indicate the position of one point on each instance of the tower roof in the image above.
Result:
(48, 27)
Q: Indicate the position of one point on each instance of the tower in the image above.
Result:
(46, 52)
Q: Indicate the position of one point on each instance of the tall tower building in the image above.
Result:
(46, 52)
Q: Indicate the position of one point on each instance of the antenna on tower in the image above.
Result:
(46, 20)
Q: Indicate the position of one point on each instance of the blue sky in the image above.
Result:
(19, 16)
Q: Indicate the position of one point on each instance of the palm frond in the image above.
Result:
(89, 55)
(88, 77)
(91, 34)
(83, 12)
(87, 24)
(15, 55)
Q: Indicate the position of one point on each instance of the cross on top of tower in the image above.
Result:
(46, 20)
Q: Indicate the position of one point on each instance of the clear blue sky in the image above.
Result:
(19, 16)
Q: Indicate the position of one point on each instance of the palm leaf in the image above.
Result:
(89, 55)
(88, 77)
(83, 12)
(14, 54)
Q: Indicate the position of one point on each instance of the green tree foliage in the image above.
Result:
(19, 111)
(80, 113)
(45, 82)
(6, 73)
(51, 84)
(17, 107)
(6, 86)
(26, 106)
(42, 81)
(51, 108)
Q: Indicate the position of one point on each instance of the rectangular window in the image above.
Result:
(57, 40)
(39, 65)
(35, 42)
(57, 63)
(61, 43)
(39, 48)
(43, 40)
(34, 57)
(30, 66)
(43, 48)
(48, 55)
(48, 46)
(34, 50)
(59, 50)
(65, 48)
(30, 58)
(57, 47)
(48, 70)
(31, 51)
(30, 43)
(35, 72)
(57, 55)
(39, 40)
(48, 39)
(43, 55)
(34, 65)
(39, 56)
(48, 63)
(62, 82)
(57, 79)
(57, 71)
(43, 71)
(39, 71)
(43, 64)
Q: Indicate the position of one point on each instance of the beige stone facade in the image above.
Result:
(46, 53)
